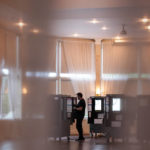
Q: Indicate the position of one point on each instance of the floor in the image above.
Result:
(88, 144)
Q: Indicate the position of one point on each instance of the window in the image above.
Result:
(6, 112)
(10, 79)
(75, 67)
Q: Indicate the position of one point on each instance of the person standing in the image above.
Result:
(80, 112)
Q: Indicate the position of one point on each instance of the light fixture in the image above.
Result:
(145, 20)
(123, 31)
(75, 34)
(21, 24)
(24, 91)
(148, 27)
(117, 37)
(98, 91)
(36, 31)
(94, 21)
(120, 41)
(104, 28)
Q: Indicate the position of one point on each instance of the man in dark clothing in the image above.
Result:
(80, 112)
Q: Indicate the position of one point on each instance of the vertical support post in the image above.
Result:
(139, 82)
(58, 67)
(98, 66)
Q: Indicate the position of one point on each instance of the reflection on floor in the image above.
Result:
(88, 144)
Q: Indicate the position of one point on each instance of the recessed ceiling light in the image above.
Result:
(117, 37)
(145, 20)
(94, 21)
(104, 28)
(75, 34)
(36, 31)
(21, 24)
(148, 27)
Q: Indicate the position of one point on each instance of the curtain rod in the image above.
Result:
(75, 39)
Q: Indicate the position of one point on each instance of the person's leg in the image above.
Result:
(79, 127)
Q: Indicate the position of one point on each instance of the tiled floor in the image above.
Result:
(88, 144)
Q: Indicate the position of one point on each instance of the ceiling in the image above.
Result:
(66, 17)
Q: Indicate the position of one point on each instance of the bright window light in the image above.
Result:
(9, 116)
(145, 76)
(52, 74)
(5, 71)
(119, 76)
(29, 74)
(41, 74)
(116, 104)
(77, 76)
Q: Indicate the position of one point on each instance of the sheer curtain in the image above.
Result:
(119, 73)
(145, 68)
(11, 107)
(14, 94)
(14, 76)
(78, 57)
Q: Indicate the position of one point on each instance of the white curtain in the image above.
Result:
(78, 64)
(145, 68)
(11, 107)
(120, 73)
(14, 93)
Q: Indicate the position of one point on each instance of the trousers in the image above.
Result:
(79, 126)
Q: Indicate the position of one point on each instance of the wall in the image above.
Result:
(36, 55)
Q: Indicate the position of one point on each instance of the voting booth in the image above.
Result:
(130, 119)
(143, 118)
(115, 104)
(96, 114)
(105, 115)
(61, 115)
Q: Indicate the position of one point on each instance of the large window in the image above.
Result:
(73, 70)
(10, 79)
(75, 67)
(5, 101)
(119, 68)
(125, 67)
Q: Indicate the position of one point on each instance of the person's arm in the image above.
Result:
(79, 108)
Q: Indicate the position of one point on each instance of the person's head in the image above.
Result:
(79, 95)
